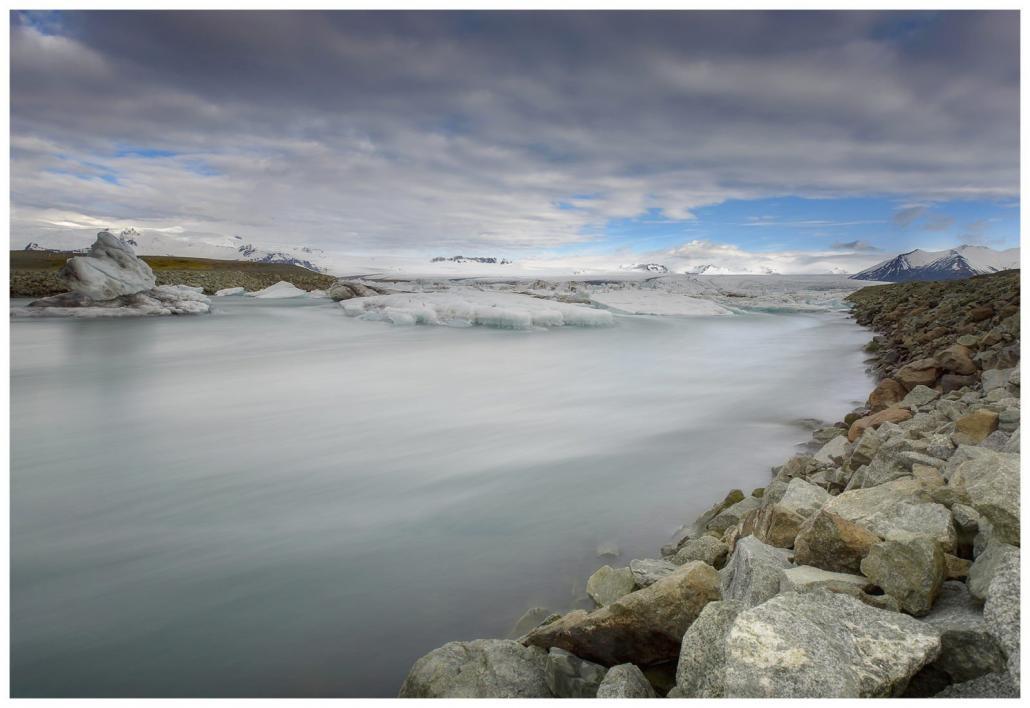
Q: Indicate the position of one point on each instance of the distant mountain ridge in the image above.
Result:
(954, 264)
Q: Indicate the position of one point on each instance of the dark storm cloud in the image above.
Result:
(375, 130)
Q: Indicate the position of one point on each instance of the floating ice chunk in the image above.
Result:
(657, 302)
(110, 270)
(162, 300)
(226, 292)
(317, 293)
(280, 290)
(462, 307)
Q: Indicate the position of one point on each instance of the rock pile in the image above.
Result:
(884, 564)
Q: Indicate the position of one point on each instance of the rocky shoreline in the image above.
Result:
(885, 563)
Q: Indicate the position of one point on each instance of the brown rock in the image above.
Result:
(831, 542)
(973, 428)
(888, 415)
(776, 525)
(886, 394)
(953, 382)
(921, 371)
(956, 568)
(956, 359)
(978, 314)
(644, 627)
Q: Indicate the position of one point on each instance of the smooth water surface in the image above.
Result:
(276, 500)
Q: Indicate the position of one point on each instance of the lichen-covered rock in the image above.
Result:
(967, 648)
(702, 662)
(706, 549)
(910, 570)
(484, 668)
(608, 584)
(644, 627)
(752, 574)
(831, 542)
(568, 676)
(823, 645)
(625, 681)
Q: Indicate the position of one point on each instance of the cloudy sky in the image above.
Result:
(795, 140)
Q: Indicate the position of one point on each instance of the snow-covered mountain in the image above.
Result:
(954, 264)
(162, 243)
(646, 267)
(712, 269)
(471, 259)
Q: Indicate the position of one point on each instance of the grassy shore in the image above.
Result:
(34, 273)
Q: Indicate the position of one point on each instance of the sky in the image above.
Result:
(795, 141)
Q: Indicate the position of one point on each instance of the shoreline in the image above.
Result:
(895, 521)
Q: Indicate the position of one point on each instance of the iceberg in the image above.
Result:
(110, 269)
(279, 291)
(465, 307)
(227, 292)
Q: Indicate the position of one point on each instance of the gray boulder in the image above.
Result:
(608, 584)
(824, 645)
(706, 549)
(702, 662)
(1001, 612)
(531, 619)
(483, 668)
(834, 451)
(625, 681)
(568, 676)
(919, 396)
(988, 686)
(911, 570)
(732, 515)
(752, 574)
(967, 648)
(831, 542)
(648, 571)
(994, 557)
(991, 481)
(806, 578)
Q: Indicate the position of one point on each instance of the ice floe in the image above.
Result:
(160, 300)
(227, 292)
(657, 302)
(466, 306)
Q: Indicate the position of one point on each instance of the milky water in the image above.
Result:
(277, 500)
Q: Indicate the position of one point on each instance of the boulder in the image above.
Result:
(956, 568)
(901, 506)
(888, 415)
(608, 584)
(989, 686)
(732, 515)
(995, 378)
(991, 481)
(823, 645)
(702, 662)
(910, 570)
(648, 571)
(967, 648)
(981, 574)
(1001, 612)
(831, 542)
(864, 450)
(347, 289)
(956, 359)
(698, 527)
(971, 429)
(887, 393)
(776, 525)
(568, 676)
(644, 627)
(954, 382)
(483, 668)
(707, 549)
(752, 574)
(625, 681)
(110, 270)
(805, 578)
(920, 372)
(833, 452)
(919, 396)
